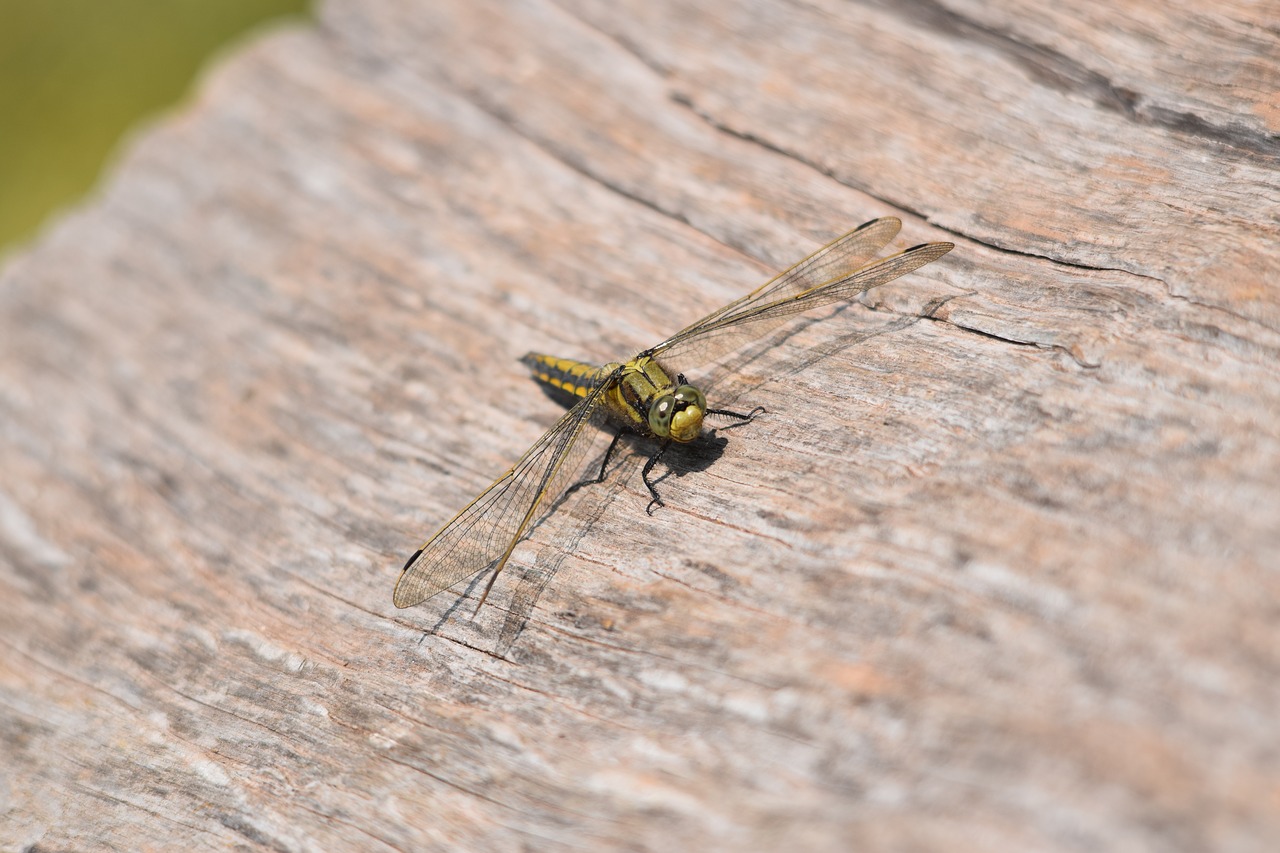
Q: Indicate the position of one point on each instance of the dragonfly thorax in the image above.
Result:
(645, 397)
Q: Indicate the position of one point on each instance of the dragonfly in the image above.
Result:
(644, 395)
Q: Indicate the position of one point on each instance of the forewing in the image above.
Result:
(705, 342)
(837, 259)
(486, 531)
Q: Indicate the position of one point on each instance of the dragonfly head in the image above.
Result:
(678, 416)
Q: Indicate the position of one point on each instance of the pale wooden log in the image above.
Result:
(997, 570)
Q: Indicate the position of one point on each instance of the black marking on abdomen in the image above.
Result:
(564, 375)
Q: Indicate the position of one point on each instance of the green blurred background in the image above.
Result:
(75, 75)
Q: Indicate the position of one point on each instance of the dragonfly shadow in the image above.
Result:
(533, 580)
(694, 457)
(558, 396)
(459, 602)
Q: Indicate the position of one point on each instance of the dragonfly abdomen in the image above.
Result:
(576, 378)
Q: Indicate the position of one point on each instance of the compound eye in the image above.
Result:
(690, 405)
(660, 415)
(687, 395)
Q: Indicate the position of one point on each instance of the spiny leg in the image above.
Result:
(746, 419)
(644, 475)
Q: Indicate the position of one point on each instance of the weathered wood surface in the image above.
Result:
(1005, 578)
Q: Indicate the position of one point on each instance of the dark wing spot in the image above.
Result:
(409, 562)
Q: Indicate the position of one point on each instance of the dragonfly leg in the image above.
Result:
(644, 475)
(604, 465)
(746, 419)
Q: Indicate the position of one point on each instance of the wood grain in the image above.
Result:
(998, 569)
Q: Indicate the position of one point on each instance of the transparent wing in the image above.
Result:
(837, 259)
(724, 332)
(486, 531)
